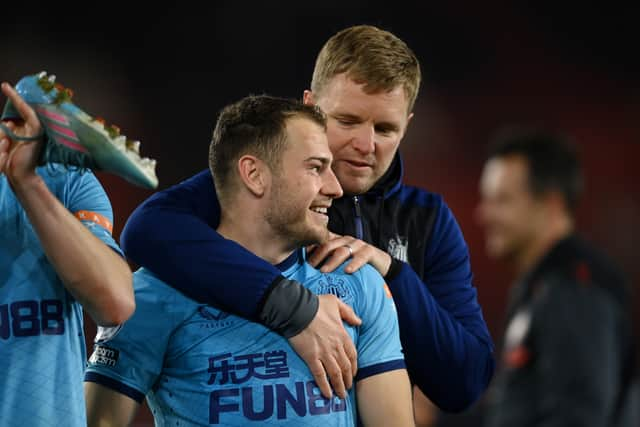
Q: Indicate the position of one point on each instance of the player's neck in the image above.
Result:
(255, 235)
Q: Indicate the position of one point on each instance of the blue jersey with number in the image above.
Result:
(199, 365)
(42, 351)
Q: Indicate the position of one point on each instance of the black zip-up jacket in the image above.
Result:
(568, 353)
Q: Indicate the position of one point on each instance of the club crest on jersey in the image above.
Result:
(334, 286)
(105, 333)
(397, 248)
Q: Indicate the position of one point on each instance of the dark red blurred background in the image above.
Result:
(163, 74)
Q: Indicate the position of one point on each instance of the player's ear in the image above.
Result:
(254, 174)
(308, 98)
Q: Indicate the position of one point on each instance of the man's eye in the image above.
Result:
(346, 122)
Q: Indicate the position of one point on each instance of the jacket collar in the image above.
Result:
(391, 181)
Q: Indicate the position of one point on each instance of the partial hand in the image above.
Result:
(327, 348)
(18, 158)
(4, 150)
(336, 251)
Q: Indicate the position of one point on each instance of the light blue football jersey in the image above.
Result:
(42, 350)
(201, 366)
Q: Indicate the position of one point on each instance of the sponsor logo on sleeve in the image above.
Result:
(105, 356)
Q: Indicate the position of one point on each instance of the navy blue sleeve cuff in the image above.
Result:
(379, 368)
(114, 385)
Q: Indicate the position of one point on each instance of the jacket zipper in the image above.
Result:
(358, 218)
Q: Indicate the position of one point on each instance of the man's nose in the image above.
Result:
(331, 187)
(364, 139)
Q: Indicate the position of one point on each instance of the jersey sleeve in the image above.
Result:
(378, 342)
(85, 198)
(128, 358)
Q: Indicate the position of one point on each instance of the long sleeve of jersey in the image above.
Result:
(448, 349)
(173, 234)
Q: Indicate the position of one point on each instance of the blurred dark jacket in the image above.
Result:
(568, 352)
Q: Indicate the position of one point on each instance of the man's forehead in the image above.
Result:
(306, 132)
(506, 172)
(301, 124)
(347, 97)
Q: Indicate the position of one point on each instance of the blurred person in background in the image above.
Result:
(568, 350)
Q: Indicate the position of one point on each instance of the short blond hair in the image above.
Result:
(369, 56)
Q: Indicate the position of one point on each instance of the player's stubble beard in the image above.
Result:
(289, 217)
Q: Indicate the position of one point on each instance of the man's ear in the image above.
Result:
(308, 98)
(254, 174)
(409, 117)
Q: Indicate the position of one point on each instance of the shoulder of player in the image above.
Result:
(58, 174)
(365, 279)
(151, 290)
(72, 185)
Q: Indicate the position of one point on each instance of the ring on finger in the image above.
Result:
(350, 249)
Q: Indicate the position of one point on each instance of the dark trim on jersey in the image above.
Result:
(114, 385)
(379, 368)
(290, 260)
